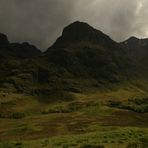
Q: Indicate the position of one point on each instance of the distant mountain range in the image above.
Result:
(81, 52)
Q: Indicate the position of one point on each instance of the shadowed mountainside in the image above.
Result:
(137, 49)
(81, 52)
(79, 32)
(16, 50)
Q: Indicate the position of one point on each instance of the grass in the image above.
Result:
(84, 121)
(97, 110)
(139, 105)
(110, 138)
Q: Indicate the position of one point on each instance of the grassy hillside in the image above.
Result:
(90, 118)
(86, 91)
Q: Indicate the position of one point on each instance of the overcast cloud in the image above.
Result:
(40, 22)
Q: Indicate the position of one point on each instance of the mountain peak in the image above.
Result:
(136, 42)
(133, 39)
(3, 39)
(81, 32)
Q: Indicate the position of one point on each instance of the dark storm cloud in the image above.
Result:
(41, 21)
(36, 21)
(118, 18)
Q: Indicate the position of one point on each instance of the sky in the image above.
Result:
(40, 22)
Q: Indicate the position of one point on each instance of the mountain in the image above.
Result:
(86, 52)
(85, 91)
(23, 50)
(80, 32)
(137, 49)
(3, 40)
(13, 57)
(81, 53)
(17, 50)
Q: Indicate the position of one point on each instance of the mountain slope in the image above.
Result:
(81, 52)
(86, 52)
(80, 32)
(3, 40)
(17, 50)
(137, 49)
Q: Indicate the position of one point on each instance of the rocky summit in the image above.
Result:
(80, 32)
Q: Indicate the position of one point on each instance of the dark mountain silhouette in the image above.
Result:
(3, 40)
(24, 50)
(17, 50)
(79, 32)
(81, 52)
(85, 51)
(137, 49)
